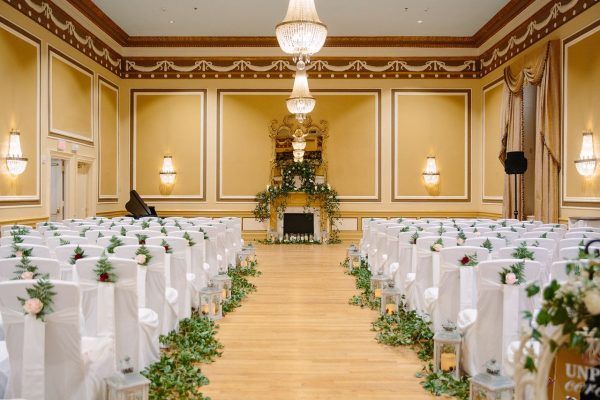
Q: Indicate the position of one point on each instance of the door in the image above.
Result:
(82, 194)
(57, 190)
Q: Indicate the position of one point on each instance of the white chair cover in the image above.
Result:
(569, 253)
(60, 232)
(126, 240)
(496, 242)
(64, 254)
(26, 239)
(558, 271)
(45, 266)
(36, 250)
(54, 241)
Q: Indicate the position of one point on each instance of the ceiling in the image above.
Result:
(259, 17)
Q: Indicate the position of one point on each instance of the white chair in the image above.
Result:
(540, 254)
(141, 234)
(126, 240)
(507, 235)
(36, 250)
(558, 271)
(93, 235)
(495, 325)
(26, 239)
(60, 232)
(66, 256)
(197, 256)
(54, 241)
(569, 253)
(572, 242)
(179, 266)
(556, 236)
(126, 227)
(48, 266)
(547, 244)
(112, 309)
(496, 243)
(153, 293)
(73, 367)
(582, 235)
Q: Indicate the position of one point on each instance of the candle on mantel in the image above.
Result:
(448, 362)
(378, 293)
(390, 309)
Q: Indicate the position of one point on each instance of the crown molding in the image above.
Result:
(500, 20)
(95, 14)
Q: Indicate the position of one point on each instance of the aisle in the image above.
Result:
(297, 337)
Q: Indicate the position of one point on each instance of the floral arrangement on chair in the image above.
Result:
(78, 254)
(523, 253)
(164, 231)
(19, 251)
(513, 275)
(189, 239)
(414, 237)
(16, 238)
(26, 270)
(63, 242)
(19, 231)
(114, 243)
(168, 248)
(469, 260)
(487, 244)
(123, 231)
(143, 256)
(41, 299)
(145, 225)
(141, 238)
(84, 230)
(461, 237)
(104, 270)
(437, 246)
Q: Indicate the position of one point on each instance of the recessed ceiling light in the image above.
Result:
(419, 22)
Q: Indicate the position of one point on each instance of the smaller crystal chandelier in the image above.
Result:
(15, 162)
(301, 101)
(586, 165)
(167, 173)
(431, 176)
(301, 33)
(299, 144)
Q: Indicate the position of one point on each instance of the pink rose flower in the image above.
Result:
(511, 278)
(33, 306)
(27, 275)
(437, 247)
(19, 254)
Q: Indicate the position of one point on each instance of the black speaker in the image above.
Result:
(515, 163)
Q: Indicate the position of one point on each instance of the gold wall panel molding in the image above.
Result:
(34, 164)
(465, 197)
(587, 60)
(200, 161)
(485, 155)
(69, 110)
(104, 83)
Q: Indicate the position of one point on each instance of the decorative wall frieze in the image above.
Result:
(546, 20)
(215, 68)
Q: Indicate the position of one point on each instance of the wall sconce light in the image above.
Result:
(15, 162)
(167, 173)
(431, 176)
(586, 165)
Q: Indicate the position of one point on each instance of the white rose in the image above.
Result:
(511, 278)
(460, 241)
(437, 247)
(140, 259)
(27, 275)
(33, 306)
(591, 300)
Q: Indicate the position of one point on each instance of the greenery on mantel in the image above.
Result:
(317, 193)
(177, 375)
(406, 328)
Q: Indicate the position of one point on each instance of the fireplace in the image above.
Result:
(298, 223)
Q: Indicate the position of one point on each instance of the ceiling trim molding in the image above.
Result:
(500, 20)
(95, 14)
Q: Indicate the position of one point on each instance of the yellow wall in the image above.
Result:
(19, 109)
(108, 129)
(493, 187)
(582, 113)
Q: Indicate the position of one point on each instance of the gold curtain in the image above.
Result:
(542, 71)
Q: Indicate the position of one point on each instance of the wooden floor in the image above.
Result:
(297, 337)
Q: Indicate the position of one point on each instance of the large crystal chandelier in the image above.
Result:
(301, 101)
(301, 33)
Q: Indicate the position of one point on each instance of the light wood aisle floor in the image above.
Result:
(298, 338)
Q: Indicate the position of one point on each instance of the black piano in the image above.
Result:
(137, 207)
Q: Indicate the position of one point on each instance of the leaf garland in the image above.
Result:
(26, 270)
(114, 243)
(145, 253)
(78, 254)
(362, 275)
(189, 239)
(513, 275)
(41, 299)
(240, 286)
(19, 231)
(523, 253)
(104, 270)
(164, 231)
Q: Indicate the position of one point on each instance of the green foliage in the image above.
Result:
(361, 273)
(487, 244)
(240, 286)
(145, 225)
(16, 238)
(19, 251)
(84, 230)
(189, 239)
(414, 237)
(168, 248)
(141, 238)
(25, 266)
(104, 270)
(123, 231)
(63, 242)
(444, 383)
(523, 253)
(43, 291)
(18, 231)
(78, 254)
(469, 260)
(143, 250)
(517, 269)
(114, 242)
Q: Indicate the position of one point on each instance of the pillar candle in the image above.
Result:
(448, 362)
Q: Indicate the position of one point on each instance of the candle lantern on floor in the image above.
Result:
(446, 349)
(490, 385)
(378, 283)
(126, 384)
(223, 283)
(210, 302)
(353, 254)
(245, 257)
(391, 299)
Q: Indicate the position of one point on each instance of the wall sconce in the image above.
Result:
(431, 176)
(15, 162)
(586, 165)
(167, 173)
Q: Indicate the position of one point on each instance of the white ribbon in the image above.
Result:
(168, 270)
(105, 314)
(510, 316)
(435, 265)
(141, 278)
(34, 349)
(468, 287)
(413, 260)
(188, 259)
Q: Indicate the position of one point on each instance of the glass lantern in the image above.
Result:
(223, 283)
(391, 298)
(490, 385)
(378, 283)
(446, 349)
(353, 254)
(210, 302)
(127, 385)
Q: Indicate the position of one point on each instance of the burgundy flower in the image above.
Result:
(167, 248)
(77, 256)
(465, 260)
(142, 241)
(103, 277)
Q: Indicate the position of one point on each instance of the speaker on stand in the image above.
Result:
(515, 164)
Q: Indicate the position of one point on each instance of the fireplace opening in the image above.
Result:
(298, 223)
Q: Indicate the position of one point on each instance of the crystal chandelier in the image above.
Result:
(15, 162)
(299, 144)
(301, 33)
(301, 101)
(167, 173)
(586, 165)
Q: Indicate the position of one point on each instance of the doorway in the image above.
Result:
(84, 189)
(57, 189)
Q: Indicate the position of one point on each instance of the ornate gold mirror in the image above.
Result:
(283, 135)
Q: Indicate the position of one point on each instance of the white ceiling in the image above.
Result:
(259, 17)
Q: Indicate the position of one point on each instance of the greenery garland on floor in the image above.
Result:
(406, 328)
(317, 193)
(177, 376)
